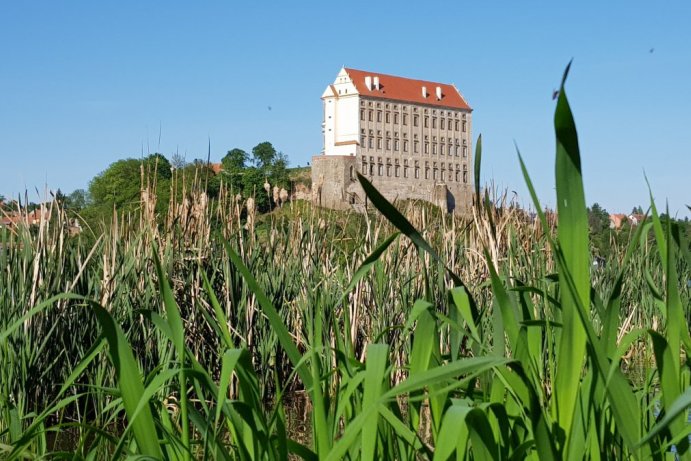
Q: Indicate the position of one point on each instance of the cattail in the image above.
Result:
(283, 195)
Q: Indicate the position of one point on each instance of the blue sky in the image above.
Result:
(83, 84)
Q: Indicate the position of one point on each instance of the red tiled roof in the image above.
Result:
(408, 90)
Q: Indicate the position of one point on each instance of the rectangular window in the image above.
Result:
(371, 142)
(416, 120)
(417, 170)
(426, 148)
(456, 125)
(388, 117)
(371, 169)
(395, 145)
(465, 151)
(464, 127)
(450, 147)
(442, 149)
(457, 175)
(405, 169)
(371, 115)
(378, 143)
(395, 118)
(388, 144)
(388, 171)
(380, 168)
(405, 145)
(434, 122)
(465, 174)
(456, 151)
(405, 119)
(362, 114)
(426, 121)
(434, 148)
(416, 146)
(363, 140)
(441, 123)
(379, 116)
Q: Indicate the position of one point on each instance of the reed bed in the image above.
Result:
(408, 333)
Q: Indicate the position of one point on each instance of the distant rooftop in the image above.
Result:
(407, 89)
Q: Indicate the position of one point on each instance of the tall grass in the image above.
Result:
(410, 334)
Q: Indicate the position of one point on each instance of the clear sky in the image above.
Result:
(83, 84)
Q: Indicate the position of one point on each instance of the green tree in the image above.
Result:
(77, 200)
(119, 185)
(598, 218)
(234, 163)
(263, 155)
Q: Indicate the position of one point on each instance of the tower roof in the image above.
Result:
(407, 89)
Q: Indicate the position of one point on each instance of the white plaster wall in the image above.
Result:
(341, 116)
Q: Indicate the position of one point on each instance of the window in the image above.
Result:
(405, 145)
(456, 125)
(380, 168)
(416, 146)
(434, 171)
(426, 147)
(395, 145)
(457, 175)
(388, 117)
(465, 149)
(371, 169)
(395, 118)
(434, 148)
(397, 169)
(388, 170)
(442, 174)
(388, 144)
(465, 174)
(456, 150)
(434, 122)
(362, 114)
(426, 121)
(371, 142)
(352, 172)
(442, 149)
(426, 170)
(416, 120)
(464, 126)
(450, 147)
(405, 168)
(405, 119)
(370, 115)
(417, 170)
(379, 116)
(363, 140)
(379, 144)
(441, 123)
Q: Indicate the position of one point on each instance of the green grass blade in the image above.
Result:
(130, 384)
(572, 234)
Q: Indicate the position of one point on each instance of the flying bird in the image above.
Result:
(651, 50)
(268, 107)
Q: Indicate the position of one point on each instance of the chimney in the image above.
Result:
(368, 82)
(439, 93)
(376, 83)
(424, 91)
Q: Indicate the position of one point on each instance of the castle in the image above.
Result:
(410, 138)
